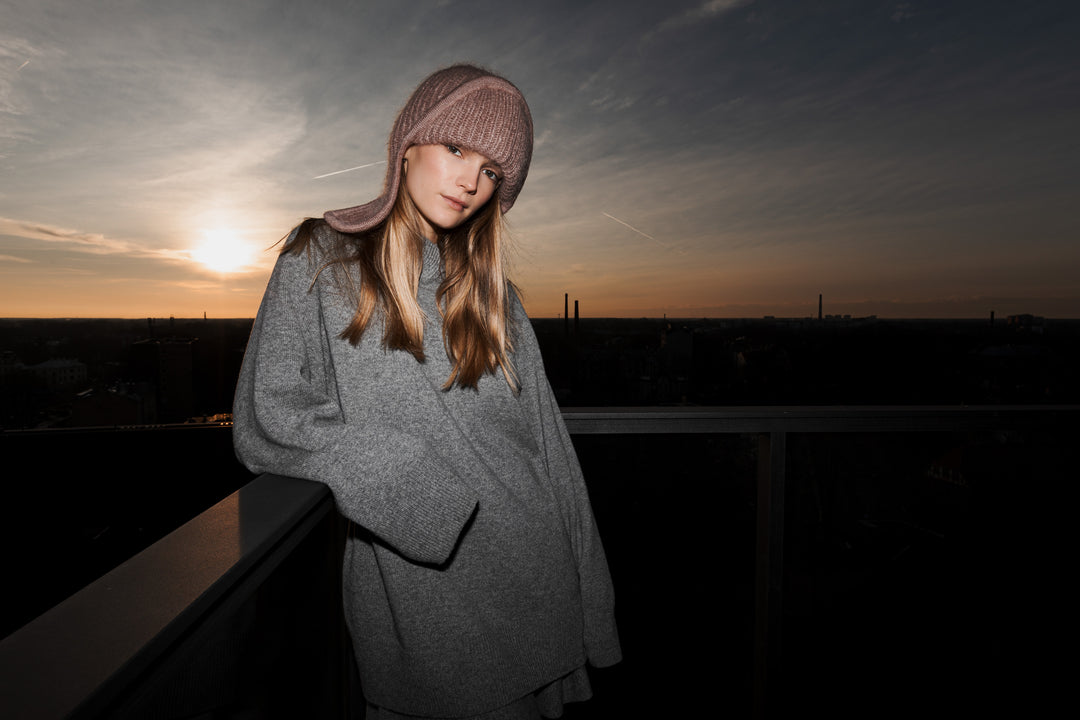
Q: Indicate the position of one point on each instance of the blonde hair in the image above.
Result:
(473, 298)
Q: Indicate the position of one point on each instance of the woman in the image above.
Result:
(391, 360)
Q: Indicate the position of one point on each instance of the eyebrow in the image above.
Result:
(489, 163)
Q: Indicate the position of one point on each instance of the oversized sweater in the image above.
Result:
(476, 574)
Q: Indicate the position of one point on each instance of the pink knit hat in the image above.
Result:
(461, 105)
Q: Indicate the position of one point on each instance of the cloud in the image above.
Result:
(15, 55)
(749, 135)
(82, 241)
(89, 242)
(705, 11)
(902, 12)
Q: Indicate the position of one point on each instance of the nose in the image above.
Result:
(469, 177)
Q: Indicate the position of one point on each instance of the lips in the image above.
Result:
(456, 205)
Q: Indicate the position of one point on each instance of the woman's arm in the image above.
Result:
(564, 472)
(287, 421)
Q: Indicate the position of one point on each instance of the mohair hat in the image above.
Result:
(464, 106)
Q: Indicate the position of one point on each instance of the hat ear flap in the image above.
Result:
(464, 105)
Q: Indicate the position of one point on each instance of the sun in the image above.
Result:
(223, 252)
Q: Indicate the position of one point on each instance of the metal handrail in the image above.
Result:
(812, 419)
(76, 659)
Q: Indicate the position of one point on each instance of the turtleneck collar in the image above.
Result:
(433, 270)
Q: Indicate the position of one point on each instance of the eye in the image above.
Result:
(491, 175)
(453, 149)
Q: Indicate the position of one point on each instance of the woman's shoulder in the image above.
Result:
(302, 257)
(516, 304)
(315, 240)
(524, 337)
(313, 246)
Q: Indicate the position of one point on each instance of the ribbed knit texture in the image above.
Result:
(461, 105)
(475, 574)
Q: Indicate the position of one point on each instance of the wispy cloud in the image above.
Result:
(773, 140)
(705, 11)
(902, 12)
(12, 100)
(83, 241)
(88, 241)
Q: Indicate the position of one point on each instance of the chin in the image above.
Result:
(456, 222)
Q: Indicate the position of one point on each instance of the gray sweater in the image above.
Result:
(476, 574)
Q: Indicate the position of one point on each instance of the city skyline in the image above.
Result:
(726, 158)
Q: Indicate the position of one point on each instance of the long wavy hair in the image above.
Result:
(473, 298)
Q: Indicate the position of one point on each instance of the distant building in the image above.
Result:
(9, 365)
(1027, 323)
(60, 374)
(117, 405)
(168, 364)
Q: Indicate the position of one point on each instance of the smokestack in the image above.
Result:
(819, 306)
(575, 317)
(566, 313)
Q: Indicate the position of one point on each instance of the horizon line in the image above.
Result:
(824, 318)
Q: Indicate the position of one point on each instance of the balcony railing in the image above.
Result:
(237, 613)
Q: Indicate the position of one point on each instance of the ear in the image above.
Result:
(410, 152)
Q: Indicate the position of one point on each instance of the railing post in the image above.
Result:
(769, 575)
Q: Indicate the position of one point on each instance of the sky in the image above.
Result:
(700, 158)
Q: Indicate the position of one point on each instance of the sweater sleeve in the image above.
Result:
(287, 420)
(564, 472)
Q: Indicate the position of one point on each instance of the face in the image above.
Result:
(448, 184)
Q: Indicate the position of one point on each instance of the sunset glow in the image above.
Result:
(692, 158)
(223, 252)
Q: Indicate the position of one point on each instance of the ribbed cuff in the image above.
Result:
(417, 507)
(602, 639)
(433, 508)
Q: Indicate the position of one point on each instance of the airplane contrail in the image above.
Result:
(22, 66)
(661, 243)
(358, 167)
(632, 228)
